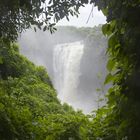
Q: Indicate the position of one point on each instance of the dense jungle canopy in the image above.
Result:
(29, 108)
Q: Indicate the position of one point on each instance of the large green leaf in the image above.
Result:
(109, 78)
(110, 65)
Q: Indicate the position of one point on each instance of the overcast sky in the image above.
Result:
(95, 19)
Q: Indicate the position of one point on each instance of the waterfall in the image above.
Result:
(66, 66)
(73, 68)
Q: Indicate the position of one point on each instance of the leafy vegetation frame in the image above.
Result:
(119, 119)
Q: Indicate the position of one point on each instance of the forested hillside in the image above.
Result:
(29, 108)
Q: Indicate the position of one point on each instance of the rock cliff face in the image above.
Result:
(93, 68)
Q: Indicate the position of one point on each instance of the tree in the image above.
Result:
(18, 15)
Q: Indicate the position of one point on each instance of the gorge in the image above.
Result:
(77, 68)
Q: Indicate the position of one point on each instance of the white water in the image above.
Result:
(63, 63)
(66, 65)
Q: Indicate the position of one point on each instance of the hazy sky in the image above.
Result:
(95, 19)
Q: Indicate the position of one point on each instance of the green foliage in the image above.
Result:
(18, 15)
(123, 65)
(111, 65)
(28, 105)
(29, 108)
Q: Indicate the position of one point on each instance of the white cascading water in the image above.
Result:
(66, 65)
(73, 68)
